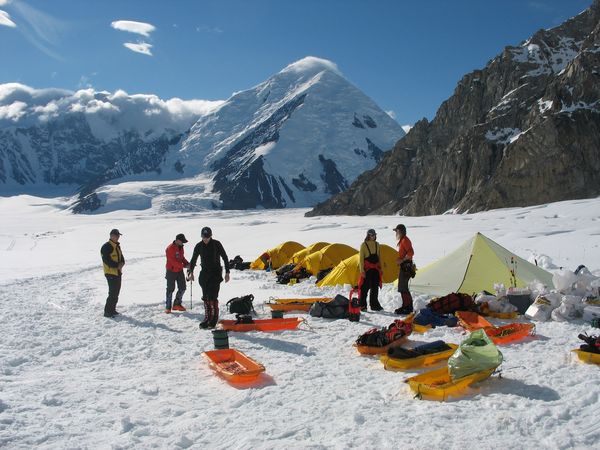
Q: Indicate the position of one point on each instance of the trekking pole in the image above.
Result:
(191, 286)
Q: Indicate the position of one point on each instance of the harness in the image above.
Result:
(372, 262)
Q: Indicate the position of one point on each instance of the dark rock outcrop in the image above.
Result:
(524, 130)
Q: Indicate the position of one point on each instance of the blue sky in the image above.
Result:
(406, 55)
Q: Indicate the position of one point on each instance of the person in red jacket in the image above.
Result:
(405, 256)
(176, 262)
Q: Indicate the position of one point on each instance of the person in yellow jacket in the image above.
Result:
(113, 262)
(369, 261)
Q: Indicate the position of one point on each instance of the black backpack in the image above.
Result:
(334, 309)
(241, 305)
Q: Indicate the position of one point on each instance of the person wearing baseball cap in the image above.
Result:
(405, 256)
(176, 262)
(112, 263)
(211, 275)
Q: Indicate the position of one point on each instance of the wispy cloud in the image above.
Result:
(41, 29)
(392, 114)
(142, 47)
(5, 19)
(133, 27)
(208, 29)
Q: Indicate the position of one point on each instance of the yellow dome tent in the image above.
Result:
(475, 266)
(347, 271)
(326, 258)
(278, 255)
(299, 256)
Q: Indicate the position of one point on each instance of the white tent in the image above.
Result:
(475, 266)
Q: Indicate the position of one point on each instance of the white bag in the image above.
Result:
(591, 312)
(540, 310)
(564, 280)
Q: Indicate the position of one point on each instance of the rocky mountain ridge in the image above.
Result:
(524, 130)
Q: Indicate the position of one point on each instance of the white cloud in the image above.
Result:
(312, 63)
(142, 47)
(133, 27)
(13, 112)
(4, 2)
(5, 19)
(104, 110)
(392, 114)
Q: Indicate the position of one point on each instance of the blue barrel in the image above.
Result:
(276, 314)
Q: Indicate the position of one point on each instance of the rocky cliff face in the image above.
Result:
(524, 130)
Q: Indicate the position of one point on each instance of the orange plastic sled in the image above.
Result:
(504, 334)
(295, 304)
(510, 333)
(233, 365)
(262, 324)
(472, 321)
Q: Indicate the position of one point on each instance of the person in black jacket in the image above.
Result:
(209, 250)
(112, 262)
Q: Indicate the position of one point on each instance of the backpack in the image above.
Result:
(238, 263)
(334, 309)
(592, 343)
(243, 318)
(451, 303)
(241, 305)
(376, 337)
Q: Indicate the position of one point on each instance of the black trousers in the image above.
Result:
(210, 282)
(172, 278)
(403, 279)
(114, 287)
(371, 283)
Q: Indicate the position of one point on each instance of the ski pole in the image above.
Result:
(191, 286)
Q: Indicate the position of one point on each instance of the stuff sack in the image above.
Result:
(334, 309)
(426, 316)
(451, 303)
(424, 349)
(241, 305)
(475, 354)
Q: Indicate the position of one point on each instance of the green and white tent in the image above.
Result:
(475, 266)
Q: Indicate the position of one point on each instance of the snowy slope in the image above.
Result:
(73, 379)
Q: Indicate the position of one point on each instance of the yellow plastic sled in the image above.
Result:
(438, 385)
(420, 361)
(588, 357)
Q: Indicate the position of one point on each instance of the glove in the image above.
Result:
(190, 276)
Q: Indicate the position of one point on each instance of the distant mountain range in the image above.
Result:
(524, 130)
(301, 136)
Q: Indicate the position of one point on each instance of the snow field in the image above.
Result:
(73, 379)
